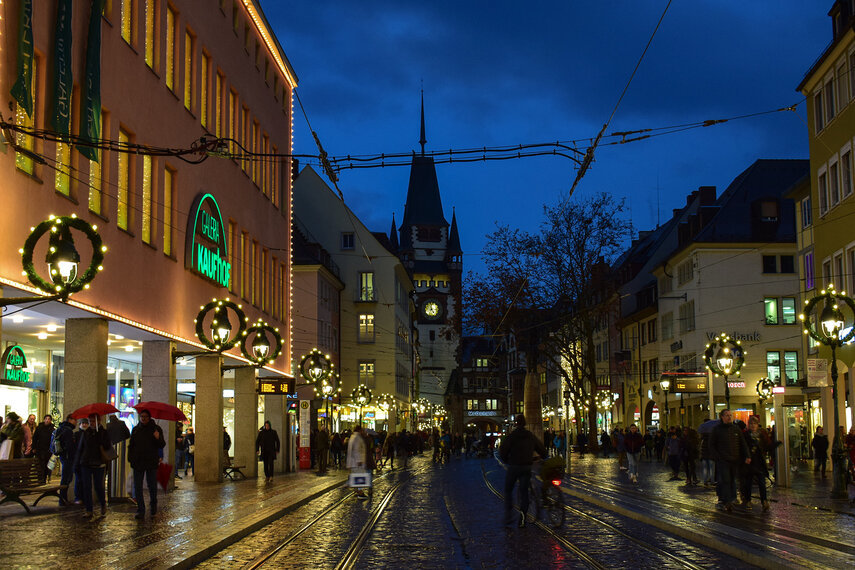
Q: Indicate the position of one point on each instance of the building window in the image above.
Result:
(218, 107)
(822, 190)
(846, 174)
(366, 373)
(124, 171)
(146, 198)
(770, 264)
(788, 310)
(265, 280)
(788, 264)
(833, 186)
(791, 367)
(773, 366)
(687, 317)
(806, 213)
(827, 276)
(818, 114)
(150, 31)
(852, 74)
(842, 84)
(771, 306)
(838, 270)
(168, 200)
(851, 270)
(829, 100)
(188, 70)
(128, 20)
(170, 49)
(366, 328)
(62, 180)
(366, 286)
(685, 272)
(667, 326)
(519, 406)
(203, 91)
(809, 275)
(233, 119)
(347, 241)
(23, 160)
(651, 330)
(95, 182)
(768, 211)
(253, 273)
(491, 405)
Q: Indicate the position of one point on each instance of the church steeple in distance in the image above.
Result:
(422, 139)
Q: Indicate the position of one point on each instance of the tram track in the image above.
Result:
(351, 555)
(586, 556)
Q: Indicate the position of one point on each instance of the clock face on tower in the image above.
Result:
(431, 309)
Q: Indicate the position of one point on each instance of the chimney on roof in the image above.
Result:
(707, 195)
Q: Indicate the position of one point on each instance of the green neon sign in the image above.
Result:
(13, 365)
(206, 248)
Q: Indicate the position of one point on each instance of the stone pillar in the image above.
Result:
(85, 362)
(246, 420)
(208, 460)
(274, 412)
(158, 384)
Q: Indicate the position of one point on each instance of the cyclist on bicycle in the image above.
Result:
(517, 452)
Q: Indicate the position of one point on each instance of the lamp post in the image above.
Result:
(567, 394)
(833, 333)
(62, 259)
(362, 396)
(666, 385)
(724, 357)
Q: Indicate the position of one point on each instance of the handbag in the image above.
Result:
(6, 449)
(108, 455)
(191, 450)
(359, 479)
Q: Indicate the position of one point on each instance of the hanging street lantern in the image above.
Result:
(725, 357)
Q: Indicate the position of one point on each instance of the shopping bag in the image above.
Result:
(359, 479)
(6, 449)
(164, 472)
(51, 463)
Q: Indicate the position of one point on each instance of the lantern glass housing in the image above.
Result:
(666, 384)
(63, 259)
(832, 322)
(725, 363)
(260, 346)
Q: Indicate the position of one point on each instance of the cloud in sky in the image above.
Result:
(502, 72)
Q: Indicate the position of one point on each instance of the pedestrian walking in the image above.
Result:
(94, 442)
(357, 456)
(517, 452)
(66, 451)
(633, 443)
(606, 443)
(41, 447)
(144, 456)
(729, 450)
(403, 448)
(820, 451)
(758, 445)
(29, 429)
(707, 465)
(227, 445)
(322, 448)
(12, 436)
(620, 446)
(267, 446)
(179, 448)
(389, 449)
(337, 447)
(189, 452)
(691, 450)
(82, 426)
(675, 451)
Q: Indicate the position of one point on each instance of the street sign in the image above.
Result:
(686, 382)
(275, 387)
(817, 372)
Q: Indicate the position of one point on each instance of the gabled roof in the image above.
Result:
(737, 218)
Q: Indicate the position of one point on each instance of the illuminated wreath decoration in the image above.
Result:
(316, 366)
(764, 388)
(60, 227)
(832, 300)
(221, 308)
(261, 328)
(332, 383)
(361, 395)
(723, 345)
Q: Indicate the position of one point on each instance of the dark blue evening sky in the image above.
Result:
(507, 73)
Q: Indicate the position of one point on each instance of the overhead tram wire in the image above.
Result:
(589, 154)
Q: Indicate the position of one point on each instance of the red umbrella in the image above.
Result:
(98, 408)
(162, 411)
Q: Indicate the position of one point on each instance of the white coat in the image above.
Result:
(356, 451)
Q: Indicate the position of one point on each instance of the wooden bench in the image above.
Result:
(21, 477)
(231, 471)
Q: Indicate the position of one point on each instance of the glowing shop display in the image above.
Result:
(206, 247)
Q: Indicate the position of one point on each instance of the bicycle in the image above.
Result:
(547, 498)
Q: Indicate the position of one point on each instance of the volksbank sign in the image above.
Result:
(206, 248)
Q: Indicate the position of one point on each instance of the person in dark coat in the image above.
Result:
(691, 450)
(267, 446)
(65, 436)
(41, 447)
(322, 449)
(227, 445)
(820, 450)
(517, 451)
(82, 426)
(13, 430)
(759, 444)
(729, 450)
(189, 452)
(92, 465)
(633, 443)
(144, 455)
(337, 447)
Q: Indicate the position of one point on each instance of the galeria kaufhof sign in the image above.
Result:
(206, 251)
(13, 369)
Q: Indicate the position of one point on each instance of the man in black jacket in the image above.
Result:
(41, 447)
(517, 451)
(66, 450)
(729, 449)
(143, 454)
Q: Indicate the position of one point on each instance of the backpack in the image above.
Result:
(56, 446)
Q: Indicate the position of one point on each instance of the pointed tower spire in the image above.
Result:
(454, 236)
(422, 140)
(393, 234)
